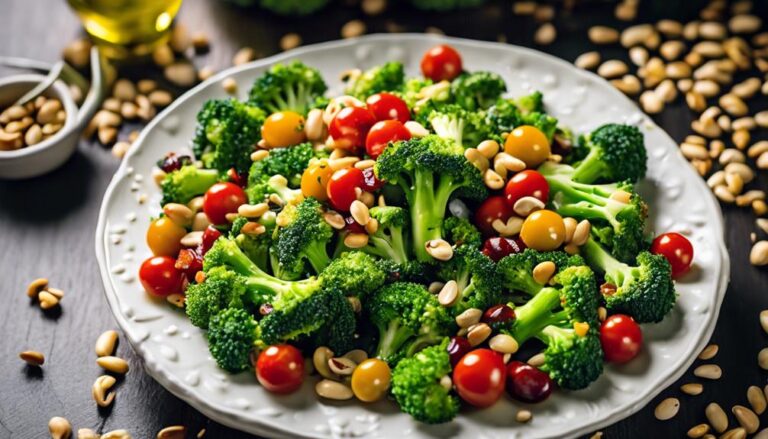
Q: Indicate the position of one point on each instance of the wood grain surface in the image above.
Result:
(47, 229)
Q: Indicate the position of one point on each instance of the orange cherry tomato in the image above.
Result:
(370, 380)
(543, 230)
(284, 128)
(529, 144)
(314, 180)
(164, 237)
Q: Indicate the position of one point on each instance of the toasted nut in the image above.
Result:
(570, 228)
(372, 226)
(314, 126)
(747, 174)
(229, 85)
(628, 84)
(756, 399)
(506, 344)
(708, 352)
(750, 197)
(711, 30)
(603, 35)
(762, 161)
(527, 205)
(707, 128)
(637, 35)
(343, 163)
(508, 162)
(439, 249)
(723, 194)
(706, 87)
(545, 34)
(747, 88)
(698, 431)
(448, 294)
(612, 68)
(105, 344)
(341, 366)
(651, 102)
(333, 390)
(334, 219)
(33, 358)
(523, 416)
(36, 286)
(47, 112)
(744, 24)
(252, 210)
(581, 233)
(478, 333)
(511, 228)
(416, 129)
(667, 409)
(356, 240)
(59, 428)
(764, 321)
(113, 364)
(192, 239)
(87, 433)
(179, 213)
(708, 371)
(181, 73)
(731, 155)
(172, 432)
(101, 390)
(621, 196)
(734, 433)
(695, 101)
(692, 389)
(116, 434)
(469, 317)
(717, 417)
(543, 272)
(746, 418)
(741, 138)
(356, 355)
(359, 212)
(733, 104)
(761, 118)
(588, 60)
(759, 256)
(488, 148)
(671, 50)
(639, 56)
(47, 300)
(734, 183)
(493, 180)
(477, 159)
(320, 360)
(685, 85)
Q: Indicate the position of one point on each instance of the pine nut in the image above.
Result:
(691, 151)
(671, 50)
(581, 233)
(735, 433)
(172, 432)
(731, 155)
(36, 286)
(506, 344)
(603, 35)
(101, 390)
(543, 272)
(759, 256)
(511, 228)
(493, 180)
(178, 213)
(717, 417)
(628, 84)
(333, 390)
(695, 101)
(478, 333)
(341, 366)
(59, 428)
(670, 28)
(747, 174)
(113, 364)
(698, 431)
(588, 60)
(692, 389)
(359, 212)
(509, 162)
(733, 104)
(320, 361)
(602, 313)
(416, 129)
(469, 317)
(734, 183)
(314, 126)
(105, 344)
(334, 219)
(33, 358)
(706, 87)
(637, 35)
(746, 88)
(638, 55)
(365, 164)
(229, 85)
(47, 300)
(708, 371)
(356, 355)
(621, 196)
(448, 294)
(252, 210)
(685, 85)
(117, 434)
(744, 24)
(667, 409)
(764, 320)
(707, 128)
(523, 416)
(756, 399)
(570, 228)
(651, 102)
(761, 118)
(527, 205)
(180, 73)
(762, 223)
(612, 68)
(372, 226)
(759, 207)
(343, 163)
(477, 159)
(488, 148)
(763, 434)
(746, 418)
(708, 352)
(545, 34)
(741, 138)
(200, 222)
(87, 433)
(356, 240)
(711, 30)
(762, 161)
(192, 239)
(439, 249)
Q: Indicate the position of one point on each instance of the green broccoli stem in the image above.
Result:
(537, 314)
(392, 338)
(318, 256)
(590, 168)
(428, 211)
(393, 248)
(421, 342)
(552, 334)
(599, 259)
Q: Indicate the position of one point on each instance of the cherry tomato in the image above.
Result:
(386, 106)
(527, 383)
(621, 338)
(527, 183)
(529, 144)
(370, 182)
(341, 187)
(164, 236)
(237, 178)
(221, 199)
(382, 133)
(457, 348)
(370, 380)
(493, 208)
(160, 277)
(210, 235)
(190, 262)
(498, 316)
(677, 249)
(543, 230)
(479, 377)
(284, 128)
(497, 247)
(280, 368)
(314, 180)
(350, 126)
(440, 63)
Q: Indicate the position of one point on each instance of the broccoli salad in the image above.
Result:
(429, 240)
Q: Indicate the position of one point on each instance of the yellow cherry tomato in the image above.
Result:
(528, 144)
(370, 380)
(284, 128)
(543, 230)
(314, 180)
(164, 237)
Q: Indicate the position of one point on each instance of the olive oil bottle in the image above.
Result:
(127, 28)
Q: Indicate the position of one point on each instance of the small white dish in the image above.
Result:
(175, 353)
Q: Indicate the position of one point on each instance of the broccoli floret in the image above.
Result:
(294, 87)
(221, 289)
(618, 225)
(256, 247)
(417, 385)
(289, 162)
(429, 171)
(422, 96)
(292, 7)
(461, 232)
(644, 291)
(303, 236)
(478, 90)
(386, 77)
(186, 183)
(408, 318)
(354, 273)
(532, 103)
(261, 191)
(571, 360)
(517, 269)
(477, 279)
(611, 153)
(389, 241)
(446, 5)
(231, 337)
(226, 134)
(505, 116)
(465, 128)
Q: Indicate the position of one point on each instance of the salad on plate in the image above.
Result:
(426, 239)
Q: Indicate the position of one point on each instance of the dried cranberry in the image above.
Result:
(527, 383)
(190, 262)
(240, 179)
(173, 162)
(210, 236)
(607, 289)
(498, 247)
(457, 348)
(498, 315)
(353, 226)
(370, 182)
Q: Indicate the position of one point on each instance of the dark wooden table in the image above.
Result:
(47, 229)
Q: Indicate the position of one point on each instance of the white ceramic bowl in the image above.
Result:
(175, 352)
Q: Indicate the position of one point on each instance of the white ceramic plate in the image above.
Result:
(175, 352)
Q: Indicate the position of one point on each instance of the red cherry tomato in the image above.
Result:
(621, 338)
(221, 199)
(677, 249)
(280, 368)
(441, 62)
(382, 133)
(350, 126)
(210, 235)
(494, 207)
(457, 348)
(498, 316)
(479, 377)
(160, 277)
(497, 247)
(341, 187)
(527, 383)
(370, 182)
(527, 183)
(237, 178)
(386, 106)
